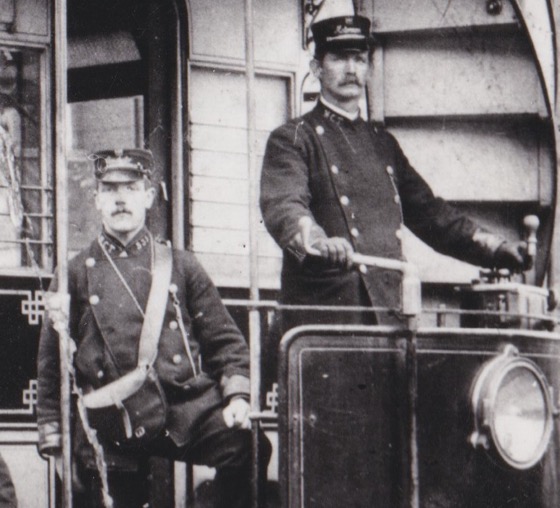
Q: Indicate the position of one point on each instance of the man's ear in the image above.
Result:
(150, 196)
(96, 199)
(316, 68)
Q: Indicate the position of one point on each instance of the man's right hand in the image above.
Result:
(337, 250)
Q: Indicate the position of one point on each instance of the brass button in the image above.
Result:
(100, 374)
(397, 199)
(173, 288)
(90, 262)
(344, 200)
(363, 269)
(390, 170)
(177, 359)
(94, 299)
(173, 325)
(320, 130)
(398, 234)
(334, 170)
(354, 232)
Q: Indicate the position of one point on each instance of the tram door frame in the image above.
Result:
(154, 81)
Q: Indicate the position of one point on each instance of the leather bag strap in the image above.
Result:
(155, 308)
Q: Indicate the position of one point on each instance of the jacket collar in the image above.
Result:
(115, 248)
(335, 113)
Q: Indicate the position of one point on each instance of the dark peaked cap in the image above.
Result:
(127, 164)
(343, 32)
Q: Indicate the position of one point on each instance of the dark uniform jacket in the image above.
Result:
(354, 181)
(106, 324)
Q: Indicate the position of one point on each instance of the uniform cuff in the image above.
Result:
(50, 437)
(235, 385)
(487, 242)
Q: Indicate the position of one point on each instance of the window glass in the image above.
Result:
(26, 189)
(96, 125)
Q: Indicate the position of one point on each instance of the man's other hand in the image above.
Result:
(236, 413)
(513, 255)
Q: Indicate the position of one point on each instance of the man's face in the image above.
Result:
(123, 207)
(342, 74)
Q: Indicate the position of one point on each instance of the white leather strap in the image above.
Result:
(155, 308)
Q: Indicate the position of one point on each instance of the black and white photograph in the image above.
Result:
(279, 254)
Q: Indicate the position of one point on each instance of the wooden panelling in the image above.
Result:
(219, 215)
(219, 184)
(220, 30)
(278, 37)
(228, 141)
(538, 22)
(435, 267)
(233, 271)
(477, 161)
(218, 97)
(232, 241)
(468, 109)
(32, 17)
(505, 219)
(219, 190)
(216, 164)
(466, 74)
(403, 15)
(7, 13)
(224, 139)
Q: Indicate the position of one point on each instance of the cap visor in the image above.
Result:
(121, 176)
(346, 44)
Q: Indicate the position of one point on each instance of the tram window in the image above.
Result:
(26, 188)
(121, 67)
(93, 124)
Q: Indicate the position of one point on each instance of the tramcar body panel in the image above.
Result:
(346, 419)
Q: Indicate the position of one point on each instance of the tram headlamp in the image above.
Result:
(512, 409)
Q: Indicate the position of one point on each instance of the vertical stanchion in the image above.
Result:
(254, 317)
(412, 381)
(60, 85)
(177, 175)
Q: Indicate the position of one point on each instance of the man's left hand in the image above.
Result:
(236, 414)
(513, 255)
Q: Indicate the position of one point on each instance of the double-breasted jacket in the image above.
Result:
(105, 323)
(354, 181)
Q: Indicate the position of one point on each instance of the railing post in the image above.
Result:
(254, 316)
(60, 52)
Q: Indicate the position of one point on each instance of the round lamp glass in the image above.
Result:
(521, 416)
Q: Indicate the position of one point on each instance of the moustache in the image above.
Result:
(351, 81)
(122, 210)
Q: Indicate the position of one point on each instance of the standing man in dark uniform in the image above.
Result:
(202, 359)
(333, 184)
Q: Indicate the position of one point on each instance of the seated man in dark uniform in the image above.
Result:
(201, 361)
